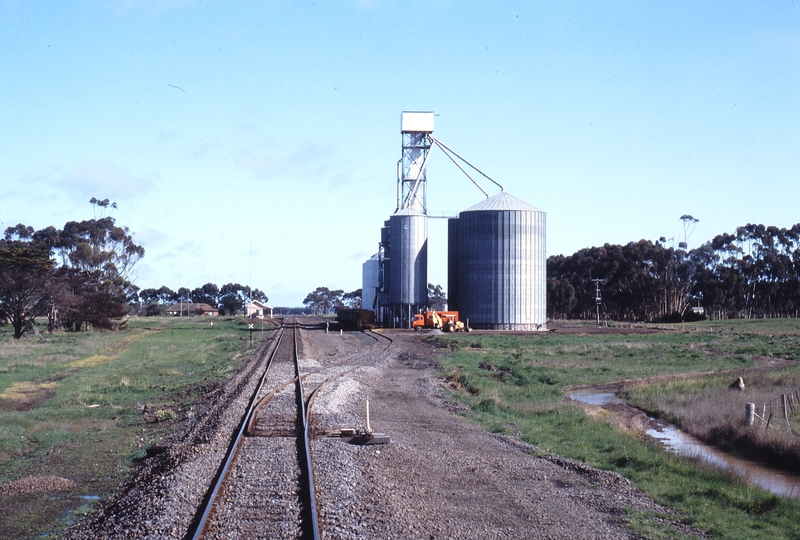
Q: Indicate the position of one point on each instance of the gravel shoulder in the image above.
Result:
(442, 477)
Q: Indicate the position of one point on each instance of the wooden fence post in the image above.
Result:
(749, 413)
(785, 414)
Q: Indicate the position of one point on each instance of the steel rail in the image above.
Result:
(370, 333)
(234, 447)
(307, 469)
(266, 399)
(251, 428)
(309, 517)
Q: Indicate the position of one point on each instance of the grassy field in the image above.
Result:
(516, 385)
(81, 408)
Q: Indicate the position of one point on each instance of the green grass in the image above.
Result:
(84, 406)
(516, 385)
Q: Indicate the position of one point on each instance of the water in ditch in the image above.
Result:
(678, 442)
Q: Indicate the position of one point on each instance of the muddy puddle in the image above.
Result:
(683, 444)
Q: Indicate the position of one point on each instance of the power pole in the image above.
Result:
(597, 299)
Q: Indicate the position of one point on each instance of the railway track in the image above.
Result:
(265, 488)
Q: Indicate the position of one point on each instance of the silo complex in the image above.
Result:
(497, 265)
(496, 249)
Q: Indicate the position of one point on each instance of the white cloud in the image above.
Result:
(317, 167)
(148, 237)
(103, 179)
(307, 159)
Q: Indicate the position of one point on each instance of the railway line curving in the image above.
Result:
(265, 488)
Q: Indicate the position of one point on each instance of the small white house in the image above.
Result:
(257, 310)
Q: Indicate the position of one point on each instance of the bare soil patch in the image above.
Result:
(26, 396)
(567, 328)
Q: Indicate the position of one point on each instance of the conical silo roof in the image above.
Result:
(501, 202)
(408, 211)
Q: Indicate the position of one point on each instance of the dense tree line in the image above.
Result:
(229, 299)
(754, 272)
(323, 300)
(76, 276)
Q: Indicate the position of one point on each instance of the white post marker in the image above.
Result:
(749, 413)
(369, 429)
(785, 413)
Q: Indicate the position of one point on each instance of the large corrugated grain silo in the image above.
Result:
(408, 264)
(499, 280)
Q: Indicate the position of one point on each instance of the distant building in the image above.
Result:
(192, 308)
(257, 310)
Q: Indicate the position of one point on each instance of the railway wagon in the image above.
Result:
(356, 318)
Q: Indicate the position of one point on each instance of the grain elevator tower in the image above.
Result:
(405, 260)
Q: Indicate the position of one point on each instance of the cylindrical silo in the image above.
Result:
(501, 265)
(370, 283)
(408, 265)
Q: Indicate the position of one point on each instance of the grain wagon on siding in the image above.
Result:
(362, 319)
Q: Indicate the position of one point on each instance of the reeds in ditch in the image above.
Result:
(707, 409)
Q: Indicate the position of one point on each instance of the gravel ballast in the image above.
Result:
(440, 477)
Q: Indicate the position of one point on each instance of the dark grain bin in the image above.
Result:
(499, 279)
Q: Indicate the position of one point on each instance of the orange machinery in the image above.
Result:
(446, 321)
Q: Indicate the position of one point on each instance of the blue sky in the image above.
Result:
(283, 133)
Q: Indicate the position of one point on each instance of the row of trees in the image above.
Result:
(754, 272)
(75, 276)
(229, 299)
(323, 300)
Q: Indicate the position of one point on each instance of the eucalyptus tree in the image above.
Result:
(88, 282)
(437, 299)
(207, 294)
(323, 300)
(25, 276)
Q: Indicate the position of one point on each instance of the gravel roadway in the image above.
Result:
(440, 477)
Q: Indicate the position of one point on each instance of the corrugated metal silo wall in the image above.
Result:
(369, 283)
(408, 266)
(452, 264)
(385, 271)
(502, 269)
